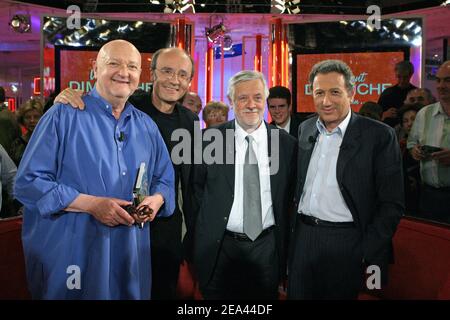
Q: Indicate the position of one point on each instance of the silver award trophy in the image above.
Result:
(139, 193)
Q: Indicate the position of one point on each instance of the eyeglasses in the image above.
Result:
(169, 73)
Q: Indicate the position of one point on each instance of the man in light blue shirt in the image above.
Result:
(7, 173)
(77, 173)
(349, 193)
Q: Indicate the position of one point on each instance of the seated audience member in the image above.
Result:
(420, 95)
(215, 113)
(28, 116)
(279, 103)
(429, 143)
(392, 98)
(371, 110)
(193, 102)
(7, 173)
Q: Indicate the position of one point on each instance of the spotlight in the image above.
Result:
(285, 6)
(215, 33)
(227, 42)
(179, 6)
(21, 23)
(292, 6)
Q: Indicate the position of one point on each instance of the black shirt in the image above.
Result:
(393, 97)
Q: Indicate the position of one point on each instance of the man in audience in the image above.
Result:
(7, 173)
(193, 102)
(420, 95)
(349, 193)
(9, 128)
(77, 173)
(280, 109)
(392, 98)
(172, 70)
(429, 143)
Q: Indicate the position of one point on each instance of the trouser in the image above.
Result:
(165, 234)
(435, 203)
(326, 262)
(245, 269)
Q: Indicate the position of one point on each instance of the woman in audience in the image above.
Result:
(215, 113)
(28, 116)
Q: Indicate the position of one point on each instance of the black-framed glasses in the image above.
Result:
(169, 73)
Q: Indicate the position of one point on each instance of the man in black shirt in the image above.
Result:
(172, 72)
(392, 98)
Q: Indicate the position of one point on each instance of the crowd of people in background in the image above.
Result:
(363, 161)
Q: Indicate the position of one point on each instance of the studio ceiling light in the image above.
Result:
(20, 23)
(285, 6)
(213, 34)
(179, 6)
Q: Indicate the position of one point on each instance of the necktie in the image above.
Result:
(252, 195)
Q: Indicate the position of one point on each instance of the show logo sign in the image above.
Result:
(76, 70)
(373, 73)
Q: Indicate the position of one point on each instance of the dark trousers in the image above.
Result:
(326, 263)
(245, 270)
(165, 235)
(435, 203)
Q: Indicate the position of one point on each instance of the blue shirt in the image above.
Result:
(73, 152)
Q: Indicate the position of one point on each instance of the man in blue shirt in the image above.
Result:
(77, 173)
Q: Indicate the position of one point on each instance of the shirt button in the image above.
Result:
(124, 173)
(225, 218)
(120, 149)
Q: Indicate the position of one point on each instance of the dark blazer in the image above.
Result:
(170, 228)
(369, 174)
(213, 197)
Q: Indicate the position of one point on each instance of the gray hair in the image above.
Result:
(156, 55)
(245, 75)
(338, 66)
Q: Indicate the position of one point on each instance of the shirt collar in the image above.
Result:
(106, 106)
(287, 126)
(438, 110)
(258, 134)
(341, 128)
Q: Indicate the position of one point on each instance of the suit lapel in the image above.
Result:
(229, 153)
(307, 143)
(274, 178)
(349, 147)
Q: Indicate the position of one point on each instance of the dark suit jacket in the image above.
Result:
(169, 228)
(369, 174)
(213, 197)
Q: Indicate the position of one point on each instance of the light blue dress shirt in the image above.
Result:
(73, 152)
(321, 196)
